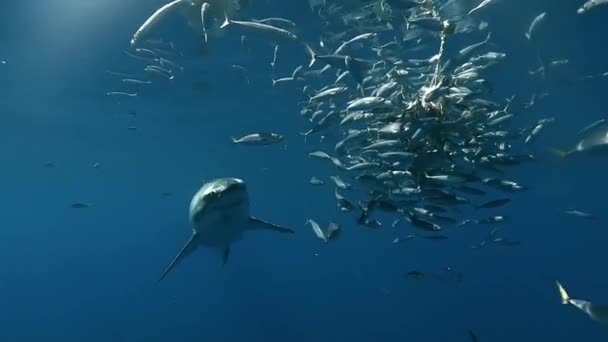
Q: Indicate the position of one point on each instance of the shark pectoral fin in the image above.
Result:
(255, 223)
(225, 254)
(565, 298)
(189, 247)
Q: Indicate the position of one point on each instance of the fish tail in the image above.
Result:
(234, 140)
(305, 135)
(407, 22)
(559, 153)
(565, 298)
(226, 21)
(313, 55)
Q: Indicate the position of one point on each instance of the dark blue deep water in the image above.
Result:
(89, 274)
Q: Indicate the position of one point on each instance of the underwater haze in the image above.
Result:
(98, 173)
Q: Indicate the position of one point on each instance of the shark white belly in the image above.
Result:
(219, 214)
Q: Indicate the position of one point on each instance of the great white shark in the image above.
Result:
(194, 11)
(219, 215)
(598, 313)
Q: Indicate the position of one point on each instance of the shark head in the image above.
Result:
(219, 214)
(220, 196)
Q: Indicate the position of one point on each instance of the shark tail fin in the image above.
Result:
(234, 140)
(561, 154)
(313, 55)
(226, 21)
(256, 223)
(189, 247)
(565, 298)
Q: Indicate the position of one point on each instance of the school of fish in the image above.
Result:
(412, 134)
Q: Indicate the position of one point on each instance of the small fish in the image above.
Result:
(333, 231)
(494, 203)
(340, 183)
(120, 93)
(590, 4)
(471, 190)
(80, 205)
(154, 69)
(415, 275)
(319, 155)
(579, 213)
(274, 57)
(204, 19)
(170, 64)
(539, 18)
(421, 223)
(260, 27)
(262, 138)
(149, 53)
(281, 80)
(317, 229)
(505, 241)
(445, 178)
(278, 20)
(492, 220)
(316, 181)
(483, 4)
(135, 81)
(398, 239)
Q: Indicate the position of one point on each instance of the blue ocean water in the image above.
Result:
(89, 274)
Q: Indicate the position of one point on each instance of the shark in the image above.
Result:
(598, 313)
(198, 14)
(219, 216)
(217, 11)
